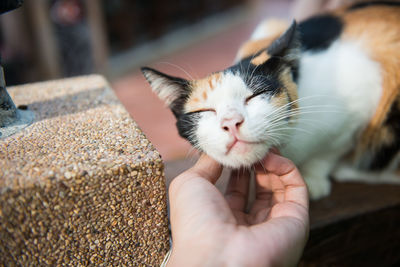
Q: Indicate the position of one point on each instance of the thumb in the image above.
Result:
(207, 168)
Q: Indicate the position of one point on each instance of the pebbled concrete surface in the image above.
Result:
(82, 185)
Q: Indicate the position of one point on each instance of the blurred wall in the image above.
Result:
(48, 39)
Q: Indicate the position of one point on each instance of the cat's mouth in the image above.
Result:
(241, 146)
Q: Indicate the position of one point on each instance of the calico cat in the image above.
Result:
(326, 92)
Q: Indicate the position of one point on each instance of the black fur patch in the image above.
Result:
(373, 3)
(259, 78)
(317, 33)
(187, 125)
(385, 155)
(295, 73)
(177, 105)
(284, 53)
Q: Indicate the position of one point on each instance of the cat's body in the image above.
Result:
(327, 94)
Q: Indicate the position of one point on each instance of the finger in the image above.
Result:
(295, 189)
(207, 168)
(269, 190)
(265, 196)
(237, 190)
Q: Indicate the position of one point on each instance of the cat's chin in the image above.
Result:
(242, 156)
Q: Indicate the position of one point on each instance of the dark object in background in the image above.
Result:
(56, 38)
(8, 5)
(11, 118)
(8, 111)
(73, 36)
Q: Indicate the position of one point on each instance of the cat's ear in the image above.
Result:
(286, 46)
(172, 90)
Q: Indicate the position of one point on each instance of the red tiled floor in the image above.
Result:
(214, 54)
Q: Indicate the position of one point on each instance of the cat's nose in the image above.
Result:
(232, 123)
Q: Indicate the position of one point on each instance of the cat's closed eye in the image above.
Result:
(204, 110)
(253, 96)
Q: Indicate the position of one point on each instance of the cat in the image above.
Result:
(325, 92)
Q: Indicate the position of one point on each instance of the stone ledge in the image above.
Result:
(82, 185)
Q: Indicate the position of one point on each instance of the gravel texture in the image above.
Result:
(82, 185)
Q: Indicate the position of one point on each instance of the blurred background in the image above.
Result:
(52, 39)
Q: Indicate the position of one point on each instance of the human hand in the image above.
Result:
(210, 229)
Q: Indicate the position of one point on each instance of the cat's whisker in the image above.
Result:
(302, 107)
(192, 70)
(237, 175)
(178, 67)
(318, 108)
(252, 81)
(290, 128)
(248, 67)
(276, 138)
(276, 125)
(265, 171)
(191, 152)
(277, 130)
(296, 112)
(314, 123)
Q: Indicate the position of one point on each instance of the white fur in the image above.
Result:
(344, 85)
(229, 98)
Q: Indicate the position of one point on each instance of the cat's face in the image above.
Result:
(236, 115)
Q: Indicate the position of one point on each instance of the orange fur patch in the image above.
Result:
(280, 99)
(204, 95)
(289, 92)
(210, 84)
(379, 30)
(291, 87)
(200, 90)
(260, 59)
(254, 46)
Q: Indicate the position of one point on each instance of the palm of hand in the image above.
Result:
(276, 222)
